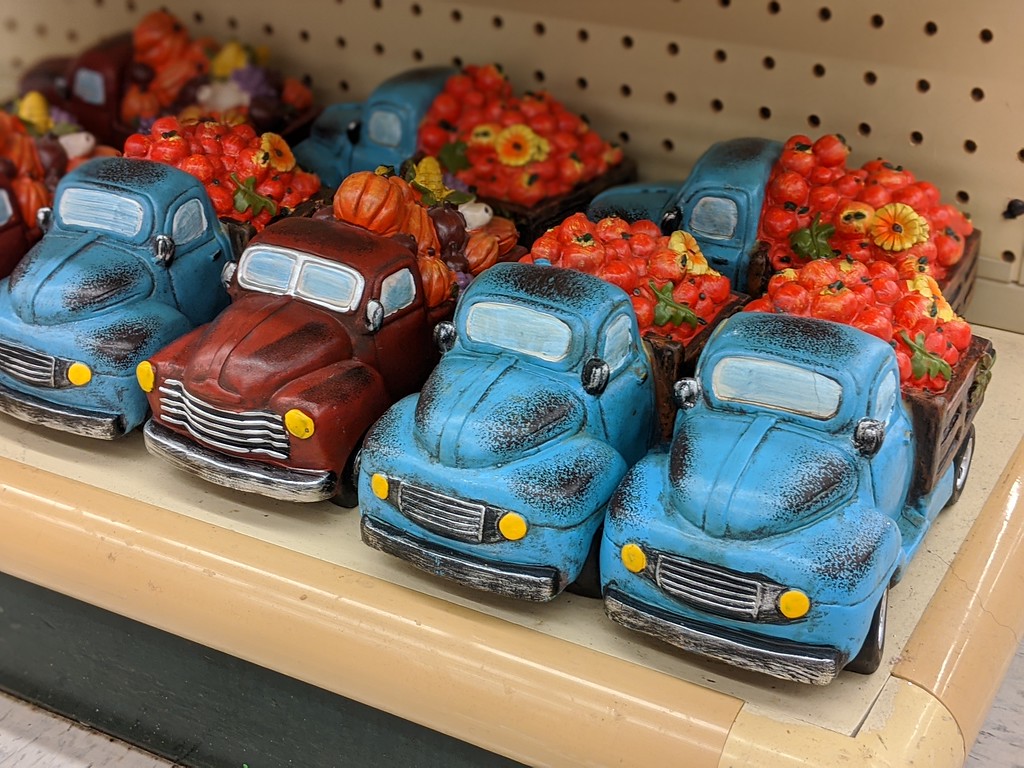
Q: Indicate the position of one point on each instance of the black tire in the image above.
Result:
(869, 658)
(588, 583)
(348, 495)
(962, 466)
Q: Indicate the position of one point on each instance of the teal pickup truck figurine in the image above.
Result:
(498, 472)
(798, 486)
(131, 260)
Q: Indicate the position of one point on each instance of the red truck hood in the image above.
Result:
(260, 343)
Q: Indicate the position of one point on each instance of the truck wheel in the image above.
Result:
(347, 495)
(588, 583)
(962, 466)
(869, 657)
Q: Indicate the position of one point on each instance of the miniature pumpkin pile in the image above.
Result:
(866, 247)
(674, 291)
(20, 162)
(170, 72)
(520, 149)
(249, 177)
(450, 250)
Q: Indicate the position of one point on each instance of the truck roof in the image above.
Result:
(835, 348)
(144, 177)
(416, 88)
(555, 288)
(744, 163)
(337, 241)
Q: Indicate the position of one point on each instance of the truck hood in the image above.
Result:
(67, 277)
(474, 413)
(260, 343)
(740, 478)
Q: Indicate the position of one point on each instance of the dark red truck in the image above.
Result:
(16, 234)
(327, 328)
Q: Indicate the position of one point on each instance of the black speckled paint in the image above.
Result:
(564, 287)
(125, 171)
(557, 486)
(345, 388)
(99, 287)
(281, 351)
(528, 420)
(803, 335)
(847, 561)
(120, 345)
(816, 480)
(681, 460)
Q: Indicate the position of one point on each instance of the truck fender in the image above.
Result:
(328, 149)
(133, 335)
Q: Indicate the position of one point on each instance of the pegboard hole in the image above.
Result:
(624, 137)
(877, 21)
(986, 35)
(41, 30)
(10, 24)
(768, 62)
(343, 85)
(539, 76)
(668, 145)
(764, 113)
(539, 29)
(916, 137)
(583, 35)
(870, 77)
(232, 22)
(670, 97)
(673, 49)
(456, 15)
(378, 48)
(307, 80)
(825, 13)
(818, 70)
(725, 3)
(498, 22)
(931, 28)
(581, 83)
(197, 17)
(416, 9)
(417, 54)
(923, 86)
(962, 196)
(340, 42)
(1020, 155)
(1009, 257)
(814, 121)
(970, 147)
(268, 29)
(378, 4)
(625, 90)
(627, 41)
(720, 55)
(304, 35)
(718, 106)
(774, 7)
(130, 6)
(72, 35)
(457, 62)
(977, 94)
(864, 129)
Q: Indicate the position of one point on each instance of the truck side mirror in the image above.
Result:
(595, 376)
(444, 336)
(44, 218)
(352, 131)
(671, 221)
(374, 315)
(163, 248)
(685, 393)
(868, 436)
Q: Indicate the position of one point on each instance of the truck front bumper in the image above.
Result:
(66, 418)
(525, 582)
(238, 473)
(805, 664)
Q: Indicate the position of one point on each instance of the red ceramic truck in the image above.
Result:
(327, 328)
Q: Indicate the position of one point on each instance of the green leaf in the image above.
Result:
(247, 198)
(924, 363)
(668, 311)
(813, 242)
(452, 157)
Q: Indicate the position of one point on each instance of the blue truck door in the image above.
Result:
(891, 466)
(197, 262)
(720, 220)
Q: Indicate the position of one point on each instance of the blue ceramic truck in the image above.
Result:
(498, 472)
(131, 260)
(798, 485)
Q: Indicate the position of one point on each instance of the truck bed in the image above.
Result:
(942, 420)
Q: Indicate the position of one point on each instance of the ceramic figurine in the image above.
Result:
(758, 207)
(497, 473)
(329, 325)
(130, 260)
(16, 234)
(798, 486)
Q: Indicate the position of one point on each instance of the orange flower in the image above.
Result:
(518, 145)
(279, 154)
(897, 227)
(484, 133)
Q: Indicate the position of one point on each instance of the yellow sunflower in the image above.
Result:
(685, 244)
(484, 134)
(897, 227)
(518, 145)
(279, 154)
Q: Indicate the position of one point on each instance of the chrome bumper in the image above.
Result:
(237, 473)
(526, 582)
(66, 418)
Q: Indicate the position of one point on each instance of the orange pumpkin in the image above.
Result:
(482, 251)
(137, 104)
(370, 201)
(295, 94)
(32, 195)
(159, 38)
(438, 281)
(504, 230)
(21, 150)
(172, 77)
(417, 222)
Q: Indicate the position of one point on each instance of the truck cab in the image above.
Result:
(16, 234)
(768, 534)
(719, 203)
(328, 326)
(360, 136)
(497, 473)
(130, 261)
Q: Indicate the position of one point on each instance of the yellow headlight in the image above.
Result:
(146, 375)
(79, 374)
(380, 486)
(633, 558)
(299, 424)
(512, 526)
(793, 604)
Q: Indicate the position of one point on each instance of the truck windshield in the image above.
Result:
(776, 385)
(293, 273)
(98, 209)
(519, 329)
(5, 208)
(384, 128)
(88, 86)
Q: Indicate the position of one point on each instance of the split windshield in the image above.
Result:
(519, 329)
(776, 385)
(293, 273)
(98, 209)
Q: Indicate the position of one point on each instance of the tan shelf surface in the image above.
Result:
(290, 587)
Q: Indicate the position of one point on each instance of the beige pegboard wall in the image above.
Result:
(934, 86)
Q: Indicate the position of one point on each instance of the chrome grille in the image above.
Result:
(445, 515)
(28, 365)
(245, 432)
(711, 588)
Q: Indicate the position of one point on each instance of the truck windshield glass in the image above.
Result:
(294, 273)
(776, 385)
(384, 128)
(97, 209)
(714, 217)
(5, 208)
(519, 329)
(88, 86)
